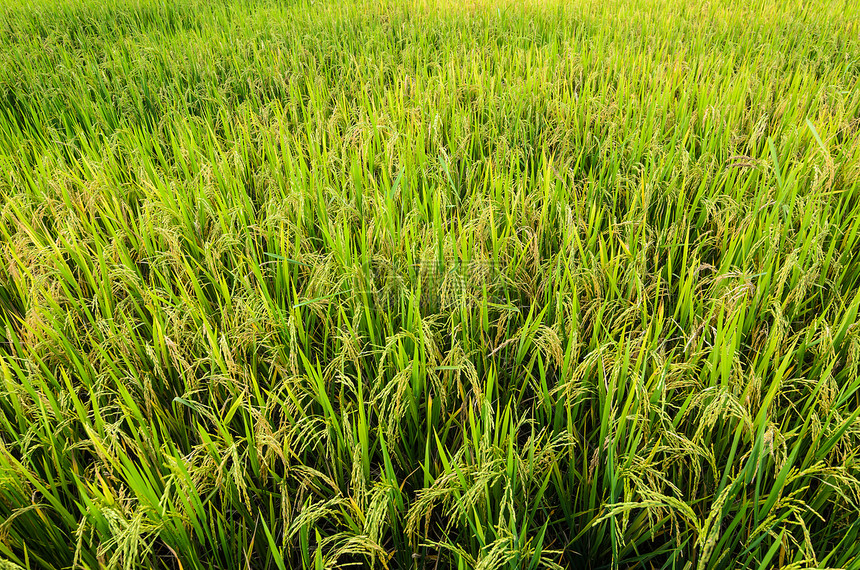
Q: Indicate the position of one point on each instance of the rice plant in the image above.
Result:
(429, 284)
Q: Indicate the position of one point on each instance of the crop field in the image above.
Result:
(429, 284)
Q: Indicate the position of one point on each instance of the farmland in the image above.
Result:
(429, 284)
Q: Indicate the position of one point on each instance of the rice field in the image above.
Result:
(425, 284)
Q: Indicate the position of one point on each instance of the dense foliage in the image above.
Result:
(429, 284)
